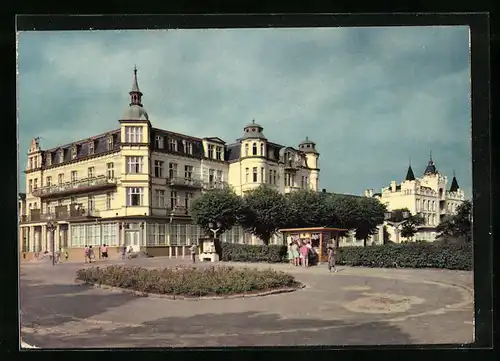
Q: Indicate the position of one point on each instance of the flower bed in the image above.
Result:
(189, 281)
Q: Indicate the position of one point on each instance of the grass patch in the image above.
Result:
(189, 281)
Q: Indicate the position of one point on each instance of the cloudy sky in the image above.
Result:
(371, 98)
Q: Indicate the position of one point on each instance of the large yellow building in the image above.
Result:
(134, 185)
(428, 196)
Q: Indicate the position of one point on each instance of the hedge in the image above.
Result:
(188, 281)
(404, 255)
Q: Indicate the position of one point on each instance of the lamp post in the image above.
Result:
(214, 230)
(397, 225)
(51, 227)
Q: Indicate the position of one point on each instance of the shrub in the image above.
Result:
(404, 255)
(188, 281)
(250, 253)
(409, 255)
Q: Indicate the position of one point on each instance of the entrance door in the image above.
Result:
(132, 239)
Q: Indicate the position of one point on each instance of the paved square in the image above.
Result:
(356, 306)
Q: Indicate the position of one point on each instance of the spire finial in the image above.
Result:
(430, 155)
(307, 138)
(409, 160)
(454, 173)
(135, 93)
(253, 121)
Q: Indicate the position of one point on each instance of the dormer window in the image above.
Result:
(172, 145)
(48, 159)
(159, 142)
(61, 155)
(73, 152)
(189, 147)
(110, 142)
(210, 151)
(218, 153)
(91, 147)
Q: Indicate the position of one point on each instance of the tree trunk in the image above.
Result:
(364, 242)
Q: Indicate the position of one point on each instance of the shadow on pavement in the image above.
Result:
(231, 329)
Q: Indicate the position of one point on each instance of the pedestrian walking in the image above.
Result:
(295, 254)
(104, 251)
(58, 256)
(86, 253)
(291, 258)
(91, 254)
(332, 253)
(304, 255)
(124, 251)
(193, 252)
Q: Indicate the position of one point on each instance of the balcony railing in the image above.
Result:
(81, 186)
(61, 215)
(215, 185)
(184, 182)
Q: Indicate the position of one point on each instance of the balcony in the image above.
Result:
(81, 186)
(62, 213)
(181, 182)
(215, 185)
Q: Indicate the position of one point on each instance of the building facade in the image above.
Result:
(134, 185)
(428, 196)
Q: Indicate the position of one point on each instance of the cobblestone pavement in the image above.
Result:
(356, 306)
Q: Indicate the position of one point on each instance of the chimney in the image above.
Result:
(393, 186)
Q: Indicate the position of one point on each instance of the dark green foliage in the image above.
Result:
(409, 255)
(405, 255)
(409, 228)
(188, 281)
(457, 228)
(249, 253)
(264, 212)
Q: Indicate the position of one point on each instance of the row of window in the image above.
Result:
(74, 151)
(173, 234)
(274, 177)
(173, 144)
(254, 150)
(94, 235)
(160, 201)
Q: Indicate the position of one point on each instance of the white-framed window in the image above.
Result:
(61, 156)
(48, 181)
(159, 168)
(30, 185)
(162, 234)
(218, 153)
(189, 147)
(182, 234)
(211, 176)
(91, 147)
(110, 142)
(172, 144)
(78, 236)
(109, 234)
(254, 171)
(134, 165)
(91, 172)
(109, 200)
(173, 199)
(262, 175)
(159, 141)
(93, 235)
(254, 149)
(110, 170)
(74, 152)
(60, 178)
(262, 149)
(35, 183)
(135, 196)
(133, 134)
(172, 170)
(246, 150)
(218, 176)
(187, 200)
(210, 151)
(91, 203)
(247, 174)
(159, 199)
(188, 171)
(74, 176)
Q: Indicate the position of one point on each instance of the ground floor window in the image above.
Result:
(109, 234)
(178, 234)
(77, 236)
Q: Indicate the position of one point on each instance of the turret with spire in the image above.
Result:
(135, 110)
(409, 174)
(431, 168)
(454, 184)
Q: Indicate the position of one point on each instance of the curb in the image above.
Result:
(192, 298)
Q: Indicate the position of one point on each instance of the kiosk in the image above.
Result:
(320, 237)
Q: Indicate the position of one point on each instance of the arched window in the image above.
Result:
(246, 150)
(262, 149)
(254, 149)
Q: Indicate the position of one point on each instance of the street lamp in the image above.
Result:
(51, 227)
(397, 225)
(215, 230)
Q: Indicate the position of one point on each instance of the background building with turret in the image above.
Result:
(134, 185)
(431, 196)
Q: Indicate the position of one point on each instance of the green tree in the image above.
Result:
(343, 211)
(218, 205)
(306, 208)
(370, 215)
(409, 227)
(264, 212)
(457, 227)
